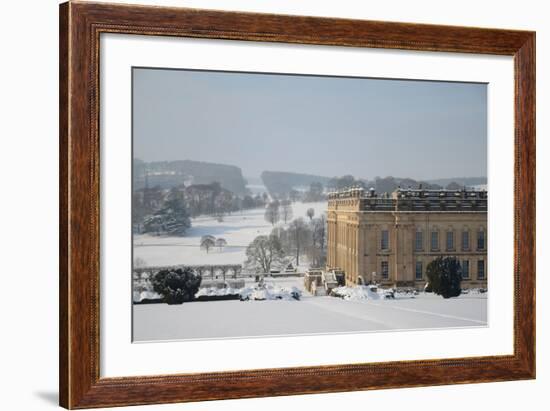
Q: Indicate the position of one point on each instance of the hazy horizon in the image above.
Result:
(258, 177)
(327, 126)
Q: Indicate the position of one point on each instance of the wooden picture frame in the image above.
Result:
(80, 27)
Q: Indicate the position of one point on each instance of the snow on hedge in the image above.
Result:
(271, 292)
(258, 293)
(145, 295)
(359, 292)
(217, 292)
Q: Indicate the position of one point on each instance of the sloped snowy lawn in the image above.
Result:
(238, 229)
(310, 315)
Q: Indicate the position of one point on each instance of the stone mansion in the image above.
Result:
(390, 239)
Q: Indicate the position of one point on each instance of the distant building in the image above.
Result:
(392, 239)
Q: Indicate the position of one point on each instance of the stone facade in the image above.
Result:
(391, 239)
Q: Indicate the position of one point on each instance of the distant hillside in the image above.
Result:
(173, 173)
(281, 182)
(253, 180)
(278, 182)
(462, 181)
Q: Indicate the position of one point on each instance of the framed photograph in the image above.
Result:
(260, 205)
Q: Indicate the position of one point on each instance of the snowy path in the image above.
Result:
(417, 313)
(311, 315)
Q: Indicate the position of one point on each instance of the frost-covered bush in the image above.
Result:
(176, 286)
(444, 276)
(269, 292)
(356, 293)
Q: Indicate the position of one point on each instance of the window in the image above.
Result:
(419, 270)
(465, 269)
(435, 240)
(418, 241)
(450, 240)
(465, 240)
(385, 270)
(481, 270)
(385, 240)
(481, 240)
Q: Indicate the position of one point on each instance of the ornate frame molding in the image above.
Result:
(81, 24)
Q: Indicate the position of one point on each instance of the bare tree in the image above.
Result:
(310, 213)
(207, 242)
(272, 213)
(221, 243)
(299, 235)
(319, 227)
(286, 211)
(320, 231)
(263, 253)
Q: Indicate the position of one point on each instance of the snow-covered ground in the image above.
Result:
(238, 229)
(309, 315)
(361, 312)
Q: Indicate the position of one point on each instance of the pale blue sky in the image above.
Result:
(318, 125)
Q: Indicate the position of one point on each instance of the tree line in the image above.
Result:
(317, 190)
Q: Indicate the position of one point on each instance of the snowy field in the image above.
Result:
(238, 229)
(310, 315)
